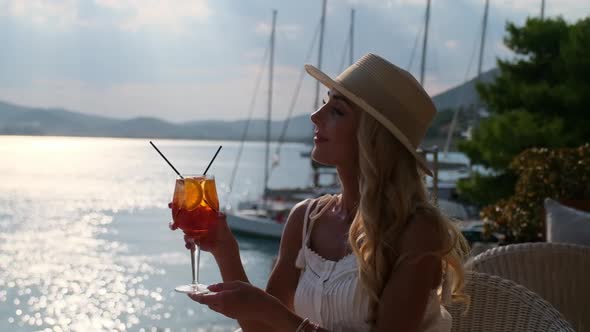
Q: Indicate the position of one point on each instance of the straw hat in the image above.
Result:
(388, 93)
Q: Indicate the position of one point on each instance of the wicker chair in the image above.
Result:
(558, 272)
(500, 305)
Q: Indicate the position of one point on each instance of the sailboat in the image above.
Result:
(256, 219)
(266, 217)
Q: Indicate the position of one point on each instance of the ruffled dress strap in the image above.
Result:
(300, 261)
(320, 206)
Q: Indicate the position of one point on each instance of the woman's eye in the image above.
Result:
(337, 111)
(333, 110)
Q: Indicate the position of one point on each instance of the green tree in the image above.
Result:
(540, 99)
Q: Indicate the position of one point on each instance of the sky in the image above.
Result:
(188, 60)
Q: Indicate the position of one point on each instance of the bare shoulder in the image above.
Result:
(298, 211)
(294, 226)
(425, 233)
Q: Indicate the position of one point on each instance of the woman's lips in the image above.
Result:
(319, 139)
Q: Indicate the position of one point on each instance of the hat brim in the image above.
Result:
(332, 84)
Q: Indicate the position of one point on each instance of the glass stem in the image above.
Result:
(193, 264)
(196, 280)
(198, 263)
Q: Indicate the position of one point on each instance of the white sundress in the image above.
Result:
(329, 293)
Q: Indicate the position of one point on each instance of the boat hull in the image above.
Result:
(254, 225)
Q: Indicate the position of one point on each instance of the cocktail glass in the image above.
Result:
(195, 208)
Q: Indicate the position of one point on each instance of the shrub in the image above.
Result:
(561, 174)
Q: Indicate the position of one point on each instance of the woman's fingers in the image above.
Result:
(224, 286)
(172, 225)
(219, 293)
(215, 299)
(189, 242)
(237, 300)
(201, 298)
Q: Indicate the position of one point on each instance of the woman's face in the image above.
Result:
(336, 123)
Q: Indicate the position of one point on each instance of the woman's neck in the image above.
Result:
(350, 190)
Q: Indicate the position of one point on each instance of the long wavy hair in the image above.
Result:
(392, 191)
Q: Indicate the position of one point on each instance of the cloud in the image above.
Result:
(387, 3)
(570, 9)
(451, 44)
(289, 31)
(123, 14)
(40, 11)
(254, 53)
(170, 13)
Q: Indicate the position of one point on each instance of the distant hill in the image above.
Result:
(465, 95)
(21, 120)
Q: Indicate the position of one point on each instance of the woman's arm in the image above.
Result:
(229, 262)
(403, 302)
(242, 301)
(283, 279)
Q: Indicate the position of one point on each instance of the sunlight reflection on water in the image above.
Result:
(59, 274)
(71, 258)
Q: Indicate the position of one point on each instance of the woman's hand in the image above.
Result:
(242, 301)
(237, 300)
(215, 242)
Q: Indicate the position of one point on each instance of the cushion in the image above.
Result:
(566, 224)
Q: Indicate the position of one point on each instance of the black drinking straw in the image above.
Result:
(161, 154)
(211, 162)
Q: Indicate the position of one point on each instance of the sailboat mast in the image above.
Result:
(479, 68)
(320, 50)
(483, 38)
(269, 106)
(316, 103)
(350, 54)
(425, 43)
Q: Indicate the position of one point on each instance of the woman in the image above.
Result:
(377, 257)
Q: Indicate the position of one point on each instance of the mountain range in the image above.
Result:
(23, 120)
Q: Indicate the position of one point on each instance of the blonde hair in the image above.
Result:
(392, 191)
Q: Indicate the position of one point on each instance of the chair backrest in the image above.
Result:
(500, 305)
(558, 272)
(578, 204)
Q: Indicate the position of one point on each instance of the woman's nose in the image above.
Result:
(316, 116)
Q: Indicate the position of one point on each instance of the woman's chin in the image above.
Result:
(321, 158)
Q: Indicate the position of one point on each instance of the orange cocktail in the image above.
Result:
(196, 204)
(194, 209)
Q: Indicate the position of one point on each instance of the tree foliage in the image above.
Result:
(541, 98)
